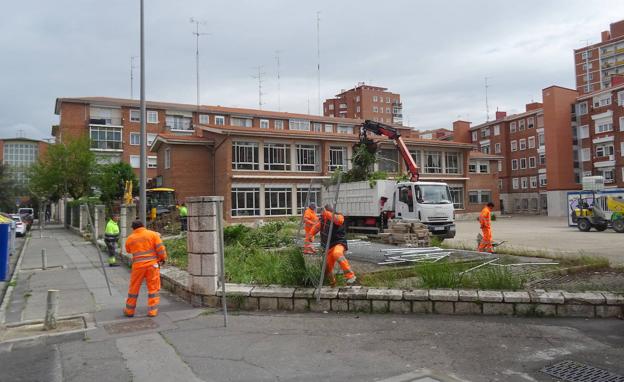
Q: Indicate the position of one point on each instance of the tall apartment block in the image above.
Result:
(366, 102)
(597, 64)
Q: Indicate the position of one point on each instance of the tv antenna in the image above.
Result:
(487, 105)
(318, 59)
(260, 77)
(277, 62)
(132, 67)
(197, 34)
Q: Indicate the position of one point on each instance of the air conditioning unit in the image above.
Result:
(611, 157)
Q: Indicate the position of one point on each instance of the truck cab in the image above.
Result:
(429, 202)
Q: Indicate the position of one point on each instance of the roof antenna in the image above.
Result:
(487, 105)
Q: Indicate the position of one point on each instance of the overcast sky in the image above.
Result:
(436, 54)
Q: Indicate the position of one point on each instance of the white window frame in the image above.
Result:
(584, 132)
(246, 210)
(247, 165)
(500, 165)
(374, 98)
(297, 124)
(514, 164)
(621, 123)
(534, 162)
(277, 156)
(530, 123)
(457, 190)
(475, 136)
(523, 163)
(167, 158)
(496, 130)
(219, 120)
(432, 168)
(329, 128)
(531, 142)
(95, 143)
(515, 183)
(302, 154)
(375, 109)
(135, 161)
(512, 127)
(514, 145)
(246, 121)
(344, 129)
(585, 154)
(524, 183)
(337, 158)
(533, 182)
(497, 148)
(448, 158)
(521, 125)
(605, 150)
(135, 139)
(302, 197)
(522, 144)
(282, 207)
(149, 139)
(152, 116)
(204, 119)
(135, 115)
(278, 124)
(152, 161)
(264, 123)
(581, 108)
(604, 126)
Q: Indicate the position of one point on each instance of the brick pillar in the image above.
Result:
(203, 243)
(99, 219)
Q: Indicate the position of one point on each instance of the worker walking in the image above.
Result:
(337, 245)
(111, 236)
(183, 211)
(310, 221)
(148, 253)
(485, 219)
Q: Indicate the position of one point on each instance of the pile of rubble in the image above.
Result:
(406, 232)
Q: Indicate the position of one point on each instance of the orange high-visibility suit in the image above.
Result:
(310, 221)
(485, 219)
(147, 252)
(337, 246)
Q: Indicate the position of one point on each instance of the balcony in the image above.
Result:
(105, 121)
(179, 124)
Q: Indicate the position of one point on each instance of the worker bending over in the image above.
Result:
(111, 235)
(337, 245)
(485, 219)
(148, 253)
(310, 221)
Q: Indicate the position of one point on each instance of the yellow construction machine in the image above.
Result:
(599, 212)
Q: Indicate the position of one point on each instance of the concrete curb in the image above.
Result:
(9, 292)
(46, 338)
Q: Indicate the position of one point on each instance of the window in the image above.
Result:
(375, 109)
(317, 127)
(342, 106)
(532, 163)
(485, 148)
(542, 180)
(521, 125)
(457, 196)
(497, 130)
(387, 110)
(530, 122)
(337, 158)
(135, 115)
(531, 142)
(587, 66)
(264, 123)
(581, 108)
(500, 184)
(497, 148)
(514, 164)
(135, 161)
(276, 156)
(589, 88)
(479, 167)
(523, 163)
(357, 109)
(135, 139)
(500, 165)
(533, 181)
(344, 129)
(388, 160)
(278, 201)
(204, 119)
(474, 136)
(416, 155)
(167, 158)
(481, 196)
(279, 124)
(219, 120)
(331, 106)
(299, 124)
(604, 150)
(152, 162)
(540, 139)
(604, 126)
(540, 120)
(621, 98)
(542, 159)
(524, 182)
(241, 121)
(602, 100)
(484, 167)
(303, 200)
(608, 174)
(515, 183)
(452, 163)
(514, 146)
(387, 101)
(485, 132)
(374, 98)
(245, 201)
(178, 122)
(245, 156)
(329, 128)
(622, 123)
(152, 116)
(105, 138)
(433, 162)
(512, 127)
(522, 144)
(357, 98)
(586, 54)
(307, 158)
(585, 154)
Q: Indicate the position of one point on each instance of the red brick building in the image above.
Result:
(18, 154)
(366, 102)
(596, 64)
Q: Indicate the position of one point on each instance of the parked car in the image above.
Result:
(20, 226)
(27, 215)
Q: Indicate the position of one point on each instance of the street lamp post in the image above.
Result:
(143, 140)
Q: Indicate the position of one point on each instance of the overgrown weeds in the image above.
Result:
(176, 252)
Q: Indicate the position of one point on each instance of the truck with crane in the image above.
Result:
(369, 205)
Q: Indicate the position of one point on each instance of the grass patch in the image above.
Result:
(176, 252)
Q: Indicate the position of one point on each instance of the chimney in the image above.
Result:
(617, 29)
(533, 106)
(500, 114)
(461, 132)
(605, 35)
(617, 79)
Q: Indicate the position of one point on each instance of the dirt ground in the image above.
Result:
(547, 234)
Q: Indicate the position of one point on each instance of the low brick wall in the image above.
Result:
(376, 300)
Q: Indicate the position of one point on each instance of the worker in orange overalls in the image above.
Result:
(485, 219)
(337, 245)
(310, 221)
(148, 254)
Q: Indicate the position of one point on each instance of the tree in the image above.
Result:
(8, 189)
(67, 167)
(111, 181)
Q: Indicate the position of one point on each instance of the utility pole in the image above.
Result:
(318, 59)
(197, 34)
(260, 77)
(487, 105)
(279, 99)
(143, 139)
(132, 76)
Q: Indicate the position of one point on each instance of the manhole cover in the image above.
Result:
(130, 326)
(578, 372)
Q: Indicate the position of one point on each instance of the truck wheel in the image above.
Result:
(618, 225)
(600, 227)
(584, 225)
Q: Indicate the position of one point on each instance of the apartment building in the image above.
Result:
(18, 154)
(366, 102)
(599, 119)
(596, 64)
(527, 181)
(440, 134)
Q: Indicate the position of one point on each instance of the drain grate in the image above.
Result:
(572, 371)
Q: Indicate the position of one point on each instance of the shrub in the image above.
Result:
(176, 252)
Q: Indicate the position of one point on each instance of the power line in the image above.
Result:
(260, 77)
(197, 22)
